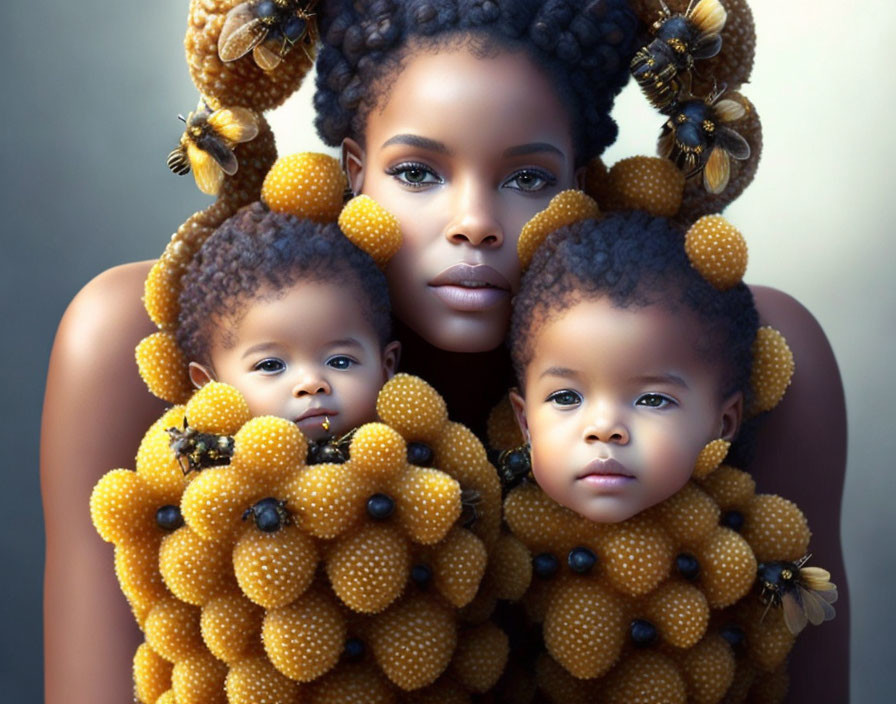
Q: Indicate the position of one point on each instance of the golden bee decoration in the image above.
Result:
(805, 593)
(269, 29)
(206, 146)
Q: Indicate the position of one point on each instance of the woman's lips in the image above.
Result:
(471, 287)
(606, 474)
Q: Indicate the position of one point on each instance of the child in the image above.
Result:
(629, 363)
(294, 316)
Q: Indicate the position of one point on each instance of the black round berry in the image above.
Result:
(267, 519)
(380, 507)
(643, 633)
(330, 454)
(581, 560)
(734, 634)
(169, 518)
(733, 520)
(545, 565)
(420, 454)
(687, 565)
(354, 649)
(517, 462)
(421, 574)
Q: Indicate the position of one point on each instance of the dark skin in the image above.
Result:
(93, 378)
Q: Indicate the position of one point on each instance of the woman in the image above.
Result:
(463, 119)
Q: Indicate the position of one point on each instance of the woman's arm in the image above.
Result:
(801, 454)
(96, 409)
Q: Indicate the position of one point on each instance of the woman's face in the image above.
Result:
(463, 151)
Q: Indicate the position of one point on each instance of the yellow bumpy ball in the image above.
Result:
(412, 407)
(256, 681)
(269, 449)
(414, 640)
(172, 629)
(584, 627)
(307, 185)
(645, 183)
(458, 563)
(775, 528)
(708, 670)
(727, 567)
(152, 675)
(645, 678)
(369, 568)
(480, 657)
(717, 250)
(427, 503)
(195, 569)
(305, 639)
(772, 370)
(636, 555)
(680, 613)
(327, 499)
(710, 457)
(231, 627)
(729, 487)
(163, 367)
(371, 227)
(564, 209)
(689, 515)
(217, 408)
(274, 569)
(199, 679)
(378, 453)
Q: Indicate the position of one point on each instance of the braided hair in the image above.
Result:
(583, 46)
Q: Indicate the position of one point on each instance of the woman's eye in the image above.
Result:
(654, 401)
(269, 366)
(414, 175)
(565, 398)
(340, 362)
(530, 180)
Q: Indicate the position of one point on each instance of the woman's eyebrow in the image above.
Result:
(414, 140)
(532, 148)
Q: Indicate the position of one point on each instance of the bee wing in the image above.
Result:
(707, 46)
(241, 33)
(709, 16)
(234, 124)
(729, 110)
(732, 142)
(267, 59)
(717, 171)
(816, 607)
(208, 174)
(794, 614)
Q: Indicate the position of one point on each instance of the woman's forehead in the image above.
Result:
(455, 97)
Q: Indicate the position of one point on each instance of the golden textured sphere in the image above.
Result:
(307, 185)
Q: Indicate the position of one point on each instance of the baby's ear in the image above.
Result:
(732, 415)
(391, 356)
(200, 374)
(518, 403)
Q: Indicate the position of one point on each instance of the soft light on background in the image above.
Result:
(91, 91)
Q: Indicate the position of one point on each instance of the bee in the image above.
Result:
(680, 40)
(806, 593)
(196, 451)
(696, 140)
(206, 145)
(330, 450)
(514, 466)
(269, 29)
(270, 515)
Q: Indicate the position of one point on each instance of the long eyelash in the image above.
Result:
(406, 166)
(548, 178)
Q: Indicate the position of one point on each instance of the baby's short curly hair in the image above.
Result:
(257, 249)
(634, 260)
(583, 46)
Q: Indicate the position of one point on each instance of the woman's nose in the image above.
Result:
(475, 221)
(311, 384)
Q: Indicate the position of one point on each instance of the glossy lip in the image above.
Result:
(471, 287)
(605, 469)
(315, 412)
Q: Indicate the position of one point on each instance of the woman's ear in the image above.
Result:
(518, 403)
(200, 374)
(732, 415)
(391, 356)
(353, 164)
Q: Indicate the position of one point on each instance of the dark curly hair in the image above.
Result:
(584, 47)
(635, 260)
(258, 248)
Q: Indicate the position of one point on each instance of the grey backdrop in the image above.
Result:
(90, 94)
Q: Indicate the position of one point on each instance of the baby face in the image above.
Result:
(617, 405)
(307, 354)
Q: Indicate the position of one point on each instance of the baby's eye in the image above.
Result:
(414, 175)
(269, 366)
(530, 180)
(654, 401)
(340, 361)
(565, 397)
